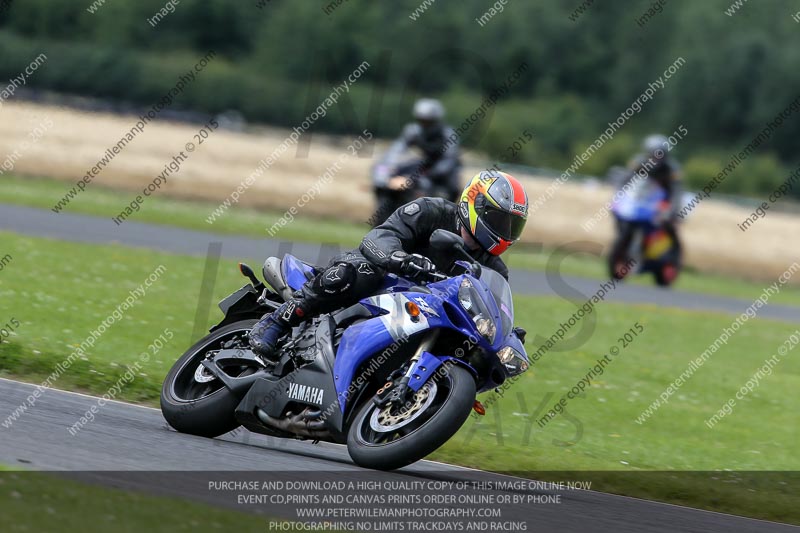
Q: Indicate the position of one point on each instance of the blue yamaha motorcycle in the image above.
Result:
(393, 376)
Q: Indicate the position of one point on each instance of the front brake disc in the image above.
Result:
(389, 418)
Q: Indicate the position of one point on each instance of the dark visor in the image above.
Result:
(503, 223)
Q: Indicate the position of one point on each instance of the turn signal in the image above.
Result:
(412, 309)
(479, 408)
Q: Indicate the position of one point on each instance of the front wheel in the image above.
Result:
(619, 257)
(385, 438)
(193, 400)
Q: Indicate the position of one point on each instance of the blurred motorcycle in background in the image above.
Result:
(396, 184)
(641, 212)
(433, 170)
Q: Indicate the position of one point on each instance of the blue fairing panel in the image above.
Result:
(392, 283)
(295, 272)
(392, 324)
(359, 343)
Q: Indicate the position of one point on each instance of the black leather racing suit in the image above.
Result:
(359, 273)
(409, 229)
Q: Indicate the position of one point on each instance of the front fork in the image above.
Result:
(420, 367)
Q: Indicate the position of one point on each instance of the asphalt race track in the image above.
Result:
(125, 439)
(82, 228)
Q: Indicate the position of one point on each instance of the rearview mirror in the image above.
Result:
(446, 240)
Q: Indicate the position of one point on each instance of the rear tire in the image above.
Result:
(208, 415)
(666, 275)
(458, 396)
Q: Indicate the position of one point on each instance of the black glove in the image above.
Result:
(520, 334)
(410, 265)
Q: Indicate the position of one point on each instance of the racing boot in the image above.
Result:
(267, 332)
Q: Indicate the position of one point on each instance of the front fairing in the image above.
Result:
(497, 295)
(389, 330)
(392, 327)
(641, 203)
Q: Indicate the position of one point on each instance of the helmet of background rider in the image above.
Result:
(494, 209)
(429, 114)
(655, 146)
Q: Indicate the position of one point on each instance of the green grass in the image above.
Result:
(64, 290)
(45, 193)
(600, 433)
(32, 501)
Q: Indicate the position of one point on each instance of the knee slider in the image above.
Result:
(337, 278)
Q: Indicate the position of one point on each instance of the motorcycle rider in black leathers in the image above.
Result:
(662, 169)
(439, 145)
(490, 217)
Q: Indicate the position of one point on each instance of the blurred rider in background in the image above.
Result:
(440, 162)
(655, 161)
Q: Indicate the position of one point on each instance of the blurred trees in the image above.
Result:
(276, 63)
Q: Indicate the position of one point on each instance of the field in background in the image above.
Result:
(87, 282)
(77, 139)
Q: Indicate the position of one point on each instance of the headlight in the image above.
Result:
(512, 360)
(472, 303)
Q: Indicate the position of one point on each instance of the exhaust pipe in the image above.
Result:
(300, 424)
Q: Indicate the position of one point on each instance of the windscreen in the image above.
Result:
(501, 291)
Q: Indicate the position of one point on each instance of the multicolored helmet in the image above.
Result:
(494, 209)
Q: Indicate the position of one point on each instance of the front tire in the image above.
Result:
(395, 445)
(203, 408)
(619, 257)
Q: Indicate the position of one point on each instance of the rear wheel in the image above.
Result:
(671, 268)
(666, 274)
(385, 438)
(192, 399)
